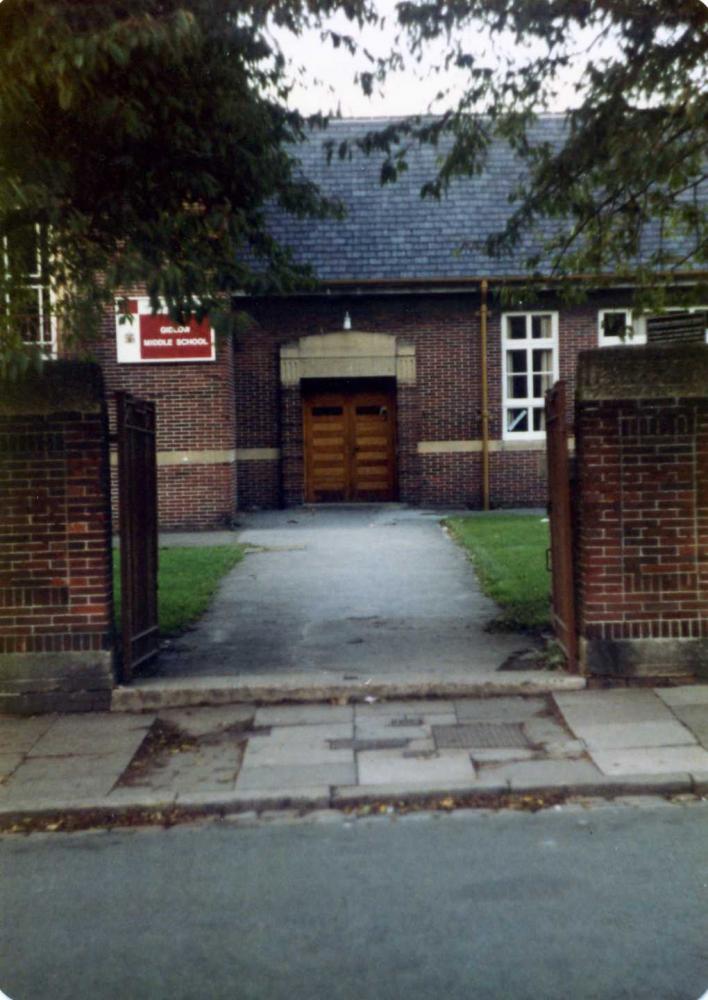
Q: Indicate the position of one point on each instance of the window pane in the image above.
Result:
(516, 362)
(517, 380)
(542, 361)
(23, 252)
(541, 385)
(541, 327)
(539, 419)
(517, 387)
(46, 326)
(516, 327)
(29, 317)
(614, 324)
(517, 420)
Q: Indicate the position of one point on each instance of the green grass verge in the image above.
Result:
(187, 580)
(509, 553)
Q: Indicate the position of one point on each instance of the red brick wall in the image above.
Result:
(260, 484)
(518, 478)
(55, 543)
(195, 412)
(642, 533)
(196, 496)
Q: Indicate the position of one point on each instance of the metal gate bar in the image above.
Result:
(561, 525)
(137, 490)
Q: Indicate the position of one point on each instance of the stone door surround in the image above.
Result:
(350, 354)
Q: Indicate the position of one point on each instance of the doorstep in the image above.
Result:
(150, 694)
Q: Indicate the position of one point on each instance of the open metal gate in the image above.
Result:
(137, 491)
(561, 525)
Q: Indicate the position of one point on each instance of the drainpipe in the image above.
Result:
(483, 317)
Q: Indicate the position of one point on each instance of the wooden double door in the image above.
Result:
(350, 442)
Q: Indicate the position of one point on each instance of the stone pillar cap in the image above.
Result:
(646, 372)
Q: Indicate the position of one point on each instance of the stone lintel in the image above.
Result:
(350, 354)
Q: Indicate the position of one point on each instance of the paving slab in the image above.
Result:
(288, 776)
(424, 743)
(651, 760)
(499, 709)
(529, 774)
(300, 715)
(615, 735)
(8, 763)
(627, 705)
(316, 734)
(299, 745)
(97, 733)
(404, 709)
(18, 735)
(686, 695)
(384, 767)
(501, 756)
(411, 727)
(695, 718)
(65, 777)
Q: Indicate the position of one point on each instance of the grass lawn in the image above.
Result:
(509, 554)
(187, 579)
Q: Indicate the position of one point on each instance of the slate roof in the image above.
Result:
(390, 232)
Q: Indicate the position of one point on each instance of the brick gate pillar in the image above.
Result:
(642, 510)
(56, 596)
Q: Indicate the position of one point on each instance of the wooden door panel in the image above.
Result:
(326, 451)
(373, 474)
(350, 445)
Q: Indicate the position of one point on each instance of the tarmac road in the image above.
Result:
(590, 903)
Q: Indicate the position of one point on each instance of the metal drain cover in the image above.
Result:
(480, 736)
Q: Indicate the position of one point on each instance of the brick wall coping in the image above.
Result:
(650, 372)
(59, 387)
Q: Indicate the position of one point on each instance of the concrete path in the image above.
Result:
(351, 592)
(232, 758)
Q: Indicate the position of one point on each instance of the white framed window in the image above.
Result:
(618, 326)
(25, 256)
(529, 369)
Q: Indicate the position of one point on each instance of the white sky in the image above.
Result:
(405, 93)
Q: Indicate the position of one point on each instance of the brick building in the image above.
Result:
(372, 385)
